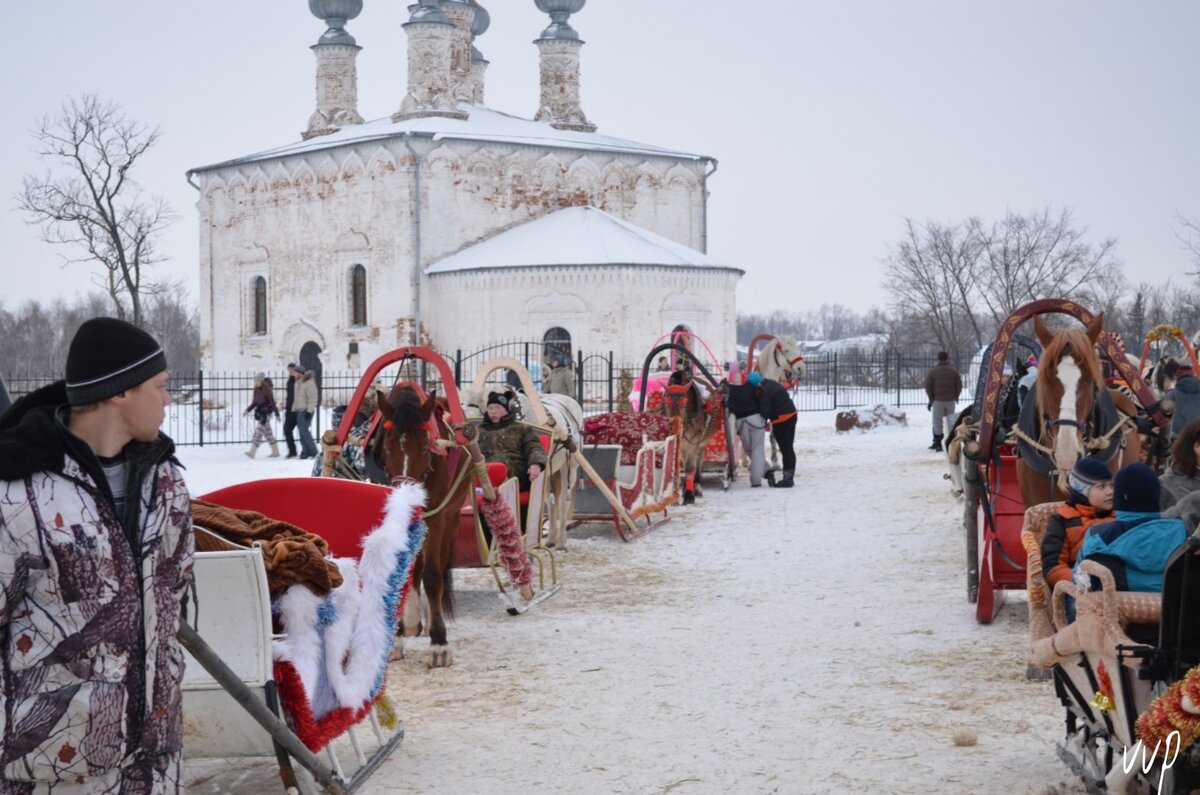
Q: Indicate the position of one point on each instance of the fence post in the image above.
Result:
(835, 403)
(899, 370)
(610, 382)
(201, 380)
(579, 376)
(458, 366)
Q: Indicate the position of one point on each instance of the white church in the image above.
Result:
(450, 223)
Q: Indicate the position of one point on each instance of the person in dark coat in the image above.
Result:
(1186, 397)
(742, 403)
(775, 404)
(289, 411)
(96, 548)
(942, 386)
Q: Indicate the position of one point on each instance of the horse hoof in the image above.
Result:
(689, 498)
(440, 657)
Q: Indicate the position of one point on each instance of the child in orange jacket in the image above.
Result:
(1090, 490)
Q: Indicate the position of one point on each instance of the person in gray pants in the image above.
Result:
(942, 386)
(742, 403)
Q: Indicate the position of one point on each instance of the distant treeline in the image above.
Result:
(34, 337)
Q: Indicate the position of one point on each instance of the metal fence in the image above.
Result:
(209, 408)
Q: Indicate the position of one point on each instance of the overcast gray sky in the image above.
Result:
(832, 121)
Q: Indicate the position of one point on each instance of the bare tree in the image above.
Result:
(1188, 235)
(89, 200)
(1043, 255)
(932, 274)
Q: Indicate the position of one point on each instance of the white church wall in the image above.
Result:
(303, 221)
(622, 309)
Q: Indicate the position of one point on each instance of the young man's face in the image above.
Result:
(496, 412)
(144, 407)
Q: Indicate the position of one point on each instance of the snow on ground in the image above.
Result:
(816, 640)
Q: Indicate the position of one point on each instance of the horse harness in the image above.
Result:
(1031, 427)
(452, 450)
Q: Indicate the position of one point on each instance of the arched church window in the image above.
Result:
(260, 305)
(557, 340)
(358, 296)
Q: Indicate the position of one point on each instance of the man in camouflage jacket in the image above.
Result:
(95, 561)
(502, 438)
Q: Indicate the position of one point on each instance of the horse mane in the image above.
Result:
(679, 377)
(407, 407)
(1068, 342)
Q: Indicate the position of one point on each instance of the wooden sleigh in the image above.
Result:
(635, 457)
(232, 703)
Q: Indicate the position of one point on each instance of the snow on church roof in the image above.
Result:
(573, 237)
(484, 124)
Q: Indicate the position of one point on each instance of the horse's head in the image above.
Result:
(679, 396)
(407, 440)
(1068, 380)
(781, 361)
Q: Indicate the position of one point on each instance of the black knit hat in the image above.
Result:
(499, 398)
(1136, 488)
(108, 356)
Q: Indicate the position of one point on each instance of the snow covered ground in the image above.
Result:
(816, 640)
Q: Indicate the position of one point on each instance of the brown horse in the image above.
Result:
(416, 446)
(1076, 415)
(701, 420)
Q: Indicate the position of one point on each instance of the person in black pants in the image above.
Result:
(776, 405)
(289, 415)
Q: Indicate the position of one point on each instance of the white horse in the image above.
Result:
(781, 361)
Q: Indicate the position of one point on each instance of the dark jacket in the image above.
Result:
(89, 607)
(1186, 395)
(943, 383)
(291, 394)
(514, 444)
(1064, 536)
(774, 402)
(263, 403)
(742, 401)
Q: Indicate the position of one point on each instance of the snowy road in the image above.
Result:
(816, 640)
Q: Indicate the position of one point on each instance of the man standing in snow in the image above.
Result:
(942, 386)
(95, 561)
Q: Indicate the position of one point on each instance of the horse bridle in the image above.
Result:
(787, 364)
(400, 480)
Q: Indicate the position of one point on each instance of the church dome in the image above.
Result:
(559, 11)
(335, 13)
(483, 20)
(569, 6)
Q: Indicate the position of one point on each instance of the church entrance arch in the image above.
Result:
(310, 360)
(557, 340)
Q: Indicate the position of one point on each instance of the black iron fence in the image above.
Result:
(209, 407)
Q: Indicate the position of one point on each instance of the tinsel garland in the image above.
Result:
(1166, 714)
(339, 646)
(500, 520)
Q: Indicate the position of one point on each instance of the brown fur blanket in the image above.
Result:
(291, 555)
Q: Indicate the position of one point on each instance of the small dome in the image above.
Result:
(483, 20)
(559, 11)
(335, 14)
(568, 6)
(428, 11)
